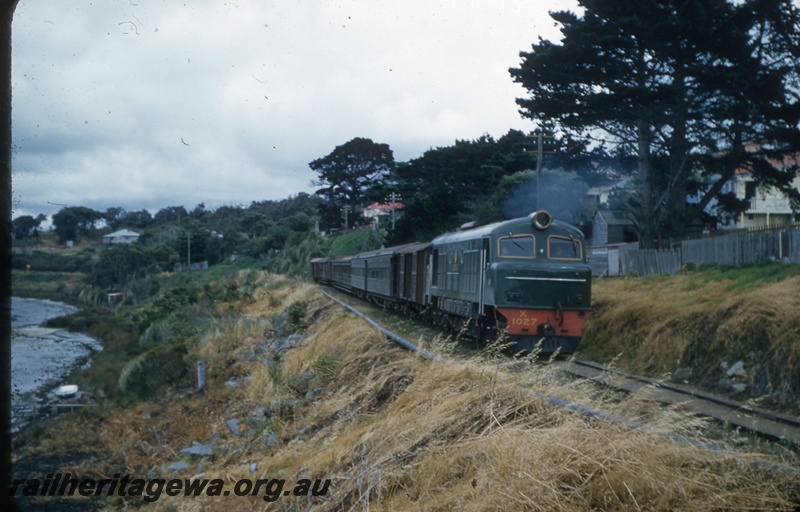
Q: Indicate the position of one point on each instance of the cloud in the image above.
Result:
(146, 104)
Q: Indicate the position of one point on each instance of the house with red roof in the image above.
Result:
(378, 213)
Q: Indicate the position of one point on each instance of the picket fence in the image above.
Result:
(780, 244)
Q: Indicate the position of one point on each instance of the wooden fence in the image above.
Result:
(737, 248)
(645, 262)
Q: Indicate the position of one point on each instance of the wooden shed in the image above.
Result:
(611, 231)
(611, 227)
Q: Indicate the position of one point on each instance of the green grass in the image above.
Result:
(243, 263)
(742, 278)
(23, 278)
(150, 334)
(120, 341)
(61, 286)
(356, 242)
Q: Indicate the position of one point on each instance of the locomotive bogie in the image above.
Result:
(544, 344)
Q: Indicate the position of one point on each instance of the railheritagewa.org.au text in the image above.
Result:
(152, 489)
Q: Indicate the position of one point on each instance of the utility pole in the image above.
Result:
(539, 171)
(345, 209)
(188, 250)
(394, 199)
(545, 143)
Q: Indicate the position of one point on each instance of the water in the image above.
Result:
(41, 357)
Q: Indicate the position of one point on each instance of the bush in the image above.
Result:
(293, 261)
(145, 374)
(51, 261)
(296, 313)
(122, 263)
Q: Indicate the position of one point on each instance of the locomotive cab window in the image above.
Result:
(561, 248)
(516, 247)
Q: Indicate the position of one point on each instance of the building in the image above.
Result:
(612, 227)
(600, 194)
(123, 236)
(379, 212)
(612, 230)
(768, 206)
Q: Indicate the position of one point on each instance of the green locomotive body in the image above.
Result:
(527, 277)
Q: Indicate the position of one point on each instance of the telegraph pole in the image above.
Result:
(394, 199)
(545, 143)
(345, 209)
(539, 171)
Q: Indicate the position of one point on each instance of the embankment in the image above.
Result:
(731, 331)
(298, 388)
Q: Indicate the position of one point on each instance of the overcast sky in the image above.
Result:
(154, 103)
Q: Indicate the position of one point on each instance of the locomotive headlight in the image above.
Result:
(541, 219)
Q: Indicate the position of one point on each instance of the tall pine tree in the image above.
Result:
(348, 175)
(693, 89)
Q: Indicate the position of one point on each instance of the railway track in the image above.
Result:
(765, 423)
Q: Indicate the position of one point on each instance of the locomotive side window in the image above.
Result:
(560, 248)
(516, 247)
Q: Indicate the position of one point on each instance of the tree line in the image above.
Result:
(483, 179)
(170, 236)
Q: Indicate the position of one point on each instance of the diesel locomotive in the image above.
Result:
(526, 278)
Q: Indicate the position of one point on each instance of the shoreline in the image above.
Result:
(42, 357)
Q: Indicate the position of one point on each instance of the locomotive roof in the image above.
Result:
(500, 228)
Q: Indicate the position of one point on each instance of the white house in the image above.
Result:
(601, 193)
(768, 206)
(123, 236)
(377, 211)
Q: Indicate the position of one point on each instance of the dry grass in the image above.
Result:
(654, 327)
(396, 432)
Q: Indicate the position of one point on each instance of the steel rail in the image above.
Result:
(761, 421)
(695, 393)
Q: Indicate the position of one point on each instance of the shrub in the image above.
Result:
(296, 313)
(146, 373)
